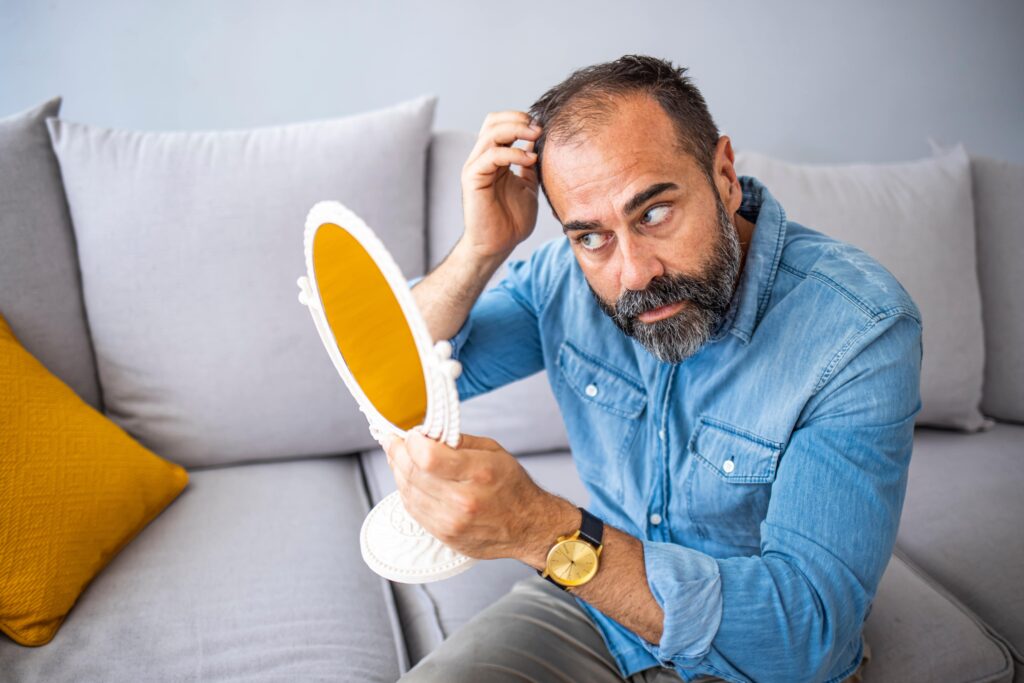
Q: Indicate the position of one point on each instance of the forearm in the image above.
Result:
(446, 295)
(619, 589)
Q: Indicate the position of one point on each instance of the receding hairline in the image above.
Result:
(587, 112)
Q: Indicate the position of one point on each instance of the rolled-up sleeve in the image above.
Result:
(500, 340)
(795, 612)
(687, 586)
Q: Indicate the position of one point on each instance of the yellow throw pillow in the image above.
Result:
(74, 490)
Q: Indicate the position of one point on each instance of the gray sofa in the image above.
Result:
(254, 573)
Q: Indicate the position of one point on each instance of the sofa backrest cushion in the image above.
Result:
(999, 211)
(917, 219)
(522, 416)
(40, 291)
(190, 245)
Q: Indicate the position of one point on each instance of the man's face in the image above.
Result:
(649, 230)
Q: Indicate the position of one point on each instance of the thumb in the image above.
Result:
(479, 443)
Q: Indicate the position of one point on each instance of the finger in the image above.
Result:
(417, 503)
(435, 458)
(494, 159)
(507, 133)
(497, 117)
(478, 443)
(408, 475)
(529, 173)
(504, 134)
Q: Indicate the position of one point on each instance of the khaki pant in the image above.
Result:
(536, 633)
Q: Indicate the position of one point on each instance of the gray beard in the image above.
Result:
(676, 338)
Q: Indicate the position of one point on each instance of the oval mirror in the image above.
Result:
(368, 321)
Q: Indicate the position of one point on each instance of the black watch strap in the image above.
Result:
(591, 531)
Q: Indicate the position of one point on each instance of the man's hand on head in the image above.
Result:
(477, 498)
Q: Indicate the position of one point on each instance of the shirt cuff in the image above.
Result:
(687, 585)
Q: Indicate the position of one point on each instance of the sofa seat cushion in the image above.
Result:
(962, 522)
(253, 574)
(915, 630)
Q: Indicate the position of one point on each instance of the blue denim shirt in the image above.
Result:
(764, 475)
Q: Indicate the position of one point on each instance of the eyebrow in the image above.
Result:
(632, 205)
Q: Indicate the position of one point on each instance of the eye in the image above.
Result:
(591, 241)
(656, 215)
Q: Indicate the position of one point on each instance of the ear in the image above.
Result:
(724, 174)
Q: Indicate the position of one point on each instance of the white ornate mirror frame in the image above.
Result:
(393, 544)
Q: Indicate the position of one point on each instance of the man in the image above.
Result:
(739, 393)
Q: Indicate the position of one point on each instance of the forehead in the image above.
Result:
(634, 148)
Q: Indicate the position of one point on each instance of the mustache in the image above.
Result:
(664, 290)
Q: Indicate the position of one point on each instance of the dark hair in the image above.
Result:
(586, 98)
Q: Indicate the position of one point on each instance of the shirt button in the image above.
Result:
(728, 466)
(661, 434)
(591, 390)
(655, 519)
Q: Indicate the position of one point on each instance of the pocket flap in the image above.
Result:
(599, 383)
(735, 455)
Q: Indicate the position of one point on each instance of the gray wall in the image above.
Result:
(806, 81)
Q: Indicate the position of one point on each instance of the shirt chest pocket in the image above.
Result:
(602, 409)
(729, 482)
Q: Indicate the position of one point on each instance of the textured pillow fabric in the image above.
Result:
(190, 246)
(39, 282)
(917, 219)
(999, 210)
(74, 490)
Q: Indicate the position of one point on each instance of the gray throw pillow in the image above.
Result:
(40, 293)
(999, 210)
(917, 219)
(190, 246)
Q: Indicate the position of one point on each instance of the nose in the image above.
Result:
(639, 263)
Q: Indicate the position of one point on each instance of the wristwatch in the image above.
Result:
(573, 560)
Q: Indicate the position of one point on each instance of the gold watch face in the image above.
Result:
(572, 562)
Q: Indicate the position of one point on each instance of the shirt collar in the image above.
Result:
(758, 276)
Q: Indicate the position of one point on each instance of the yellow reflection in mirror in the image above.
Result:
(369, 327)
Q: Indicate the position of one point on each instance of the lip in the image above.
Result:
(661, 312)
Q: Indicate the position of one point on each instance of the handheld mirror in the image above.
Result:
(374, 334)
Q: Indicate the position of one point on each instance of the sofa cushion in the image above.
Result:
(74, 489)
(916, 631)
(999, 210)
(253, 575)
(40, 294)
(517, 415)
(190, 247)
(962, 522)
(917, 219)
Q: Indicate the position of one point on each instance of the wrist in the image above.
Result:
(479, 261)
(555, 517)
